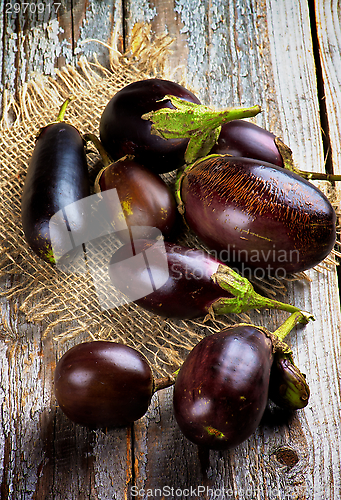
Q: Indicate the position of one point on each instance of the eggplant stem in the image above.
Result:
(106, 160)
(245, 296)
(196, 122)
(293, 320)
(62, 110)
(288, 164)
(164, 382)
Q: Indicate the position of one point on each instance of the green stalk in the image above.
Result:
(288, 164)
(245, 297)
(62, 110)
(106, 160)
(196, 122)
(293, 320)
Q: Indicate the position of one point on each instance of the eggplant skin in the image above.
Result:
(187, 292)
(123, 131)
(56, 177)
(221, 390)
(103, 384)
(258, 216)
(243, 138)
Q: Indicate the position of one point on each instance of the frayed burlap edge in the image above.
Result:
(66, 305)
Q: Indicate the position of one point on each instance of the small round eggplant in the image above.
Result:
(257, 216)
(288, 386)
(105, 384)
(245, 139)
(145, 198)
(123, 131)
(57, 176)
(192, 283)
(221, 390)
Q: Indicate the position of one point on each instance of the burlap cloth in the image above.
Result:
(66, 305)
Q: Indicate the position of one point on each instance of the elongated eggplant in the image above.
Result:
(257, 216)
(221, 390)
(225, 132)
(57, 176)
(186, 283)
(124, 132)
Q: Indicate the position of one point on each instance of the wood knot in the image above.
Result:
(287, 456)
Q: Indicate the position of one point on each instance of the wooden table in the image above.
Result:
(282, 55)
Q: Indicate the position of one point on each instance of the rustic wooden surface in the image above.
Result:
(273, 52)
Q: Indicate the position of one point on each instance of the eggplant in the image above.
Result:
(245, 139)
(124, 132)
(288, 387)
(221, 389)
(145, 199)
(57, 176)
(182, 282)
(105, 384)
(257, 216)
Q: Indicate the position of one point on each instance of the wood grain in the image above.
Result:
(231, 53)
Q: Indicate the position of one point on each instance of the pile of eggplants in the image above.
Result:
(220, 391)
(238, 190)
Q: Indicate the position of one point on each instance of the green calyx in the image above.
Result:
(196, 122)
(245, 297)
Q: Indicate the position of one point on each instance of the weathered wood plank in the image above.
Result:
(45, 35)
(328, 26)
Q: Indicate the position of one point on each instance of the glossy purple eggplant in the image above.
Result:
(186, 283)
(57, 176)
(145, 198)
(245, 139)
(221, 389)
(257, 216)
(123, 131)
(103, 384)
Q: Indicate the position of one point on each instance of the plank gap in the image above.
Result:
(125, 9)
(328, 160)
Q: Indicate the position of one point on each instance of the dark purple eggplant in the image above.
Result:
(288, 386)
(105, 384)
(57, 176)
(145, 199)
(221, 390)
(225, 132)
(185, 283)
(123, 131)
(257, 216)
(243, 138)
